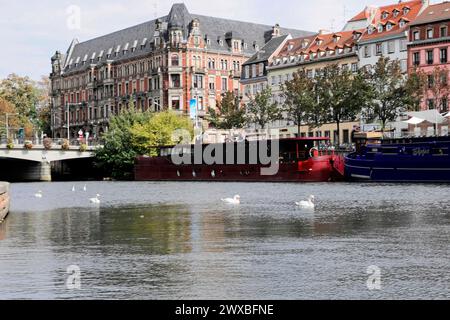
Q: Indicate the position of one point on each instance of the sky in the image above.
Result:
(31, 31)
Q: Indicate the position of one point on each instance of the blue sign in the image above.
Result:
(193, 108)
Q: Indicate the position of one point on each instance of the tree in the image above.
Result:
(415, 89)
(160, 130)
(261, 110)
(438, 88)
(22, 93)
(342, 94)
(388, 87)
(43, 111)
(13, 122)
(228, 115)
(117, 156)
(300, 98)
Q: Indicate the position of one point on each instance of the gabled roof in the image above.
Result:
(415, 7)
(267, 51)
(179, 17)
(434, 13)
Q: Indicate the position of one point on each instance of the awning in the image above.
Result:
(414, 121)
(432, 116)
(447, 115)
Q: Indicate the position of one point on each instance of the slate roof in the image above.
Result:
(434, 13)
(212, 28)
(266, 52)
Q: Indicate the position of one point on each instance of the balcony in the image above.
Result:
(235, 74)
(198, 70)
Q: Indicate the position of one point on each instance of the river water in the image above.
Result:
(178, 241)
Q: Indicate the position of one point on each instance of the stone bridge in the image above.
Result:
(36, 164)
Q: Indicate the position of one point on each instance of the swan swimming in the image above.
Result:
(235, 200)
(96, 199)
(307, 204)
(39, 194)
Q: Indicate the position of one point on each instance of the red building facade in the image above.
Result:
(428, 51)
(162, 64)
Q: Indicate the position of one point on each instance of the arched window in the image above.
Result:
(175, 60)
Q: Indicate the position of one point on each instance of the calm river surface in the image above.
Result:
(178, 241)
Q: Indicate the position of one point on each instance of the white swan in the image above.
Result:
(236, 200)
(95, 200)
(73, 189)
(39, 194)
(85, 188)
(307, 204)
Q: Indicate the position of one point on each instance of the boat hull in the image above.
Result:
(318, 169)
(415, 161)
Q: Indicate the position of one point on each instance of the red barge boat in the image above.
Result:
(294, 159)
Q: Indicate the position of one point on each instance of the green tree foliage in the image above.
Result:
(300, 98)
(117, 156)
(342, 94)
(416, 86)
(389, 94)
(228, 115)
(261, 110)
(160, 130)
(23, 94)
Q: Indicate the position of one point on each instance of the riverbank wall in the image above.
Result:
(4, 200)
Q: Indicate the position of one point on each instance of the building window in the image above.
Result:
(443, 55)
(175, 60)
(391, 46)
(354, 67)
(224, 84)
(444, 106)
(379, 49)
(367, 51)
(404, 65)
(430, 78)
(274, 81)
(430, 104)
(430, 57)
(261, 69)
(403, 45)
(176, 103)
(416, 58)
(380, 28)
(253, 70)
(247, 72)
(429, 33)
(443, 32)
(176, 81)
(212, 83)
(416, 35)
(198, 81)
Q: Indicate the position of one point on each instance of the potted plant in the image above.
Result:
(10, 144)
(83, 147)
(28, 145)
(65, 145)
(48, 143)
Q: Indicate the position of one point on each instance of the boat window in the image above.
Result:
(390, 150)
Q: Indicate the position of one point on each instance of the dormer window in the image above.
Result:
(370, 30)
(290, 46)
(221, 43)
(395, 13)
(389, 26)
(380, 28)
(319, 42)
(406, 10)
(384, 15)
(208, 42)
(402, 23)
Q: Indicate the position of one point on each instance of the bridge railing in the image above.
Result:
(55, 143)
